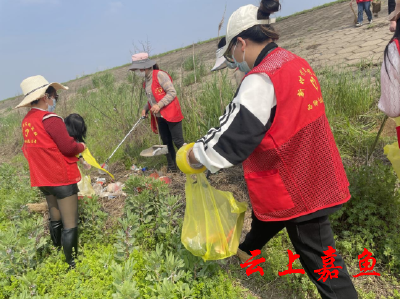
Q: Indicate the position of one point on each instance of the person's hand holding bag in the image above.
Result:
(186, 161)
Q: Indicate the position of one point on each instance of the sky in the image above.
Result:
(65, 39)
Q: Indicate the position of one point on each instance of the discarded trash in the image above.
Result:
(103, 166)
(154, 175)
(166, 179)
(135, 168)
(85, 187)
(101, 181)
(114, 187)
(155, 151)
(98, 189)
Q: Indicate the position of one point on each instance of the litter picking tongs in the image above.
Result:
(133, 128)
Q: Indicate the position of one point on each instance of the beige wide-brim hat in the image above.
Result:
(35, 87)
(394, 16)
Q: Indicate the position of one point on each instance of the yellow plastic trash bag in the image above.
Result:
(85, 187)
(87, 156)
(393, 154)
(213, 220)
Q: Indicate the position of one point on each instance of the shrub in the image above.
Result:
(370, 219)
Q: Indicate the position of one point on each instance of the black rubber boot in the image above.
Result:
(69, 243)
(55, 233)
(172, 167)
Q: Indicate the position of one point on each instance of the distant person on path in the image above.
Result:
(276, 127)
(166, 114)
(389, 102)
(51, 154)
(363, 5)
(391, 8)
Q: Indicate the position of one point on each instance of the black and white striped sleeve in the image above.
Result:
(242, 127)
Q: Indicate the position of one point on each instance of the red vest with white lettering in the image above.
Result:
(297, 169)
(172, 112)
(47, 165)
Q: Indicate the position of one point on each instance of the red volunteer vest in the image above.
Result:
(47, 165)
(172, 112)
(297, 169)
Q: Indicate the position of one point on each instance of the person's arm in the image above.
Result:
(242, 127)
(168, 87)
(55, 127)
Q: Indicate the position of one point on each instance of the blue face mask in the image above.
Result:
(52, 108)
(231, 65)
(243, 66)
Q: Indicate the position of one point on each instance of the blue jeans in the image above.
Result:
(364, 6)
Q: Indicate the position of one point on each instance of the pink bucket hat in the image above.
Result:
(141, 61)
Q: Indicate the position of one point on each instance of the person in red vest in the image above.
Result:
(166, 114)
(51, 154)
(363, 5)
(277, 128)
(389, 102)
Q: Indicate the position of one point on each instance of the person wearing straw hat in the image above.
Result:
(51, 154)
(277, 128)
(389, 102)
(166, 114)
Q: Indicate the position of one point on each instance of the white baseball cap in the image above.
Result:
(220, 63)
(242, 19)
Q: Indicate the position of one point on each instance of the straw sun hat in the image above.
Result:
(35, 87)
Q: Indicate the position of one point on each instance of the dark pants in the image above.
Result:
(309, 239)
(364, 6)
(171, 133)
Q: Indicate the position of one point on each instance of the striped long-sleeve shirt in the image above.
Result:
(242, 127)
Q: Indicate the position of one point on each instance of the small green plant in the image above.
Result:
(124, 281)
(92, 219)
(155, 210)
(374, 204)
(126, 237)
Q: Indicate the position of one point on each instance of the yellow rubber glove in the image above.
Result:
(182, 160)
